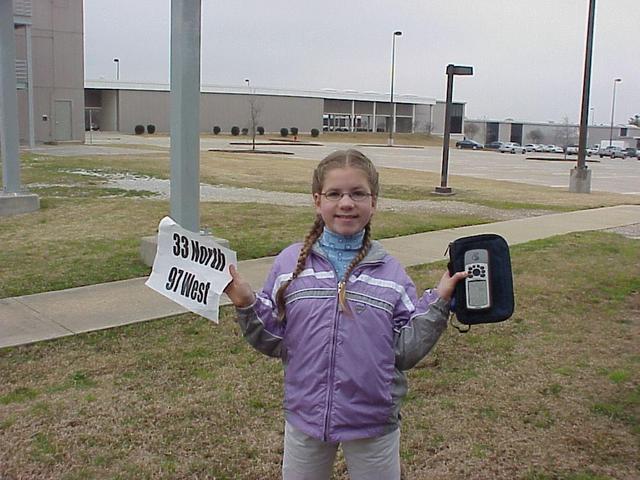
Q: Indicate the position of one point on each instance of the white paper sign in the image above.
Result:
(190, 269)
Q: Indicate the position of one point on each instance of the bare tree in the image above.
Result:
(470, 130)
(536, 136)
(566, 135)
(253, 118)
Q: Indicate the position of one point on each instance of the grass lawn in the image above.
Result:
(87, 232)
(74, 241)
(285, 174)
(553, 393)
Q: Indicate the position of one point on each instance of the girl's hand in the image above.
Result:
(448, 284)
(239, 291)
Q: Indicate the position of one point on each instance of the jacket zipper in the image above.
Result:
(334, 339)
(332, 361)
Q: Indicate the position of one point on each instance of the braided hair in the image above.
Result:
(309, 240)
(339, 159)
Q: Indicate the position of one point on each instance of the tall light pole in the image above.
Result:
(451, 71)
(252, 115)
(580, 176)
(613, 107)
(117, 62)
(397, 33)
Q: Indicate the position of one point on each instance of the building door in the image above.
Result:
(493, 132)
(516, 133)
(62, 119)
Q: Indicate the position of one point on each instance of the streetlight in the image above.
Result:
(580, 176)
(613, 106)
(451, 71)
(252, 115)
(393, 66)
(117, 62)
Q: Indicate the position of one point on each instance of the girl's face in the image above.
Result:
(345, 216)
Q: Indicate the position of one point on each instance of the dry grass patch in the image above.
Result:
(420, 139)
(72, 242)
(554, 393)
(282, 173)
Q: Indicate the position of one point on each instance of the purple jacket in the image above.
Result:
(343, 372)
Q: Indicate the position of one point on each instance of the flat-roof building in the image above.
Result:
(56, 103)
(50, 70)
(123, 105)
(560, 133)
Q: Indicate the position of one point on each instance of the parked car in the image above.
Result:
(466, 143)
(593, 149)
(495, 145)
(611, 151)
(512, 147)
(553, 149)
(631, 152)
(573, 150)
(533, 147)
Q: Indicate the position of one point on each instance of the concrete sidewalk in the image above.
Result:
(44, 316)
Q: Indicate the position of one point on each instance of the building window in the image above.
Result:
(516, 133)
(493, 130)
(456, 117)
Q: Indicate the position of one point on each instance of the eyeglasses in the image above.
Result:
(357, 196)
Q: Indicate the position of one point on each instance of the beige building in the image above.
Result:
(56, 103)
(548, 133)
(50, 70)
(123, 105)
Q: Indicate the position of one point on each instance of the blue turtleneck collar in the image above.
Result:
(340, 249)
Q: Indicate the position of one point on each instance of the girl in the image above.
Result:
(344, 317)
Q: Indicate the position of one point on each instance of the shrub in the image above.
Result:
(235, 131)
(139, 129)
(245, 131)
(216, 130)
(315, 132)
(294, 131)
(260, 130)
(151, 128)
(284, 132)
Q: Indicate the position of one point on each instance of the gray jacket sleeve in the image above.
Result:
(254, 329)
(420, 331)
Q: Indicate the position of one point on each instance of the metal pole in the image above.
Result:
(393, 109)
(447, 134)
(613, 106)
(251, 115)
(9, 133)
(32, 119)
(185, 113)
(586, 89)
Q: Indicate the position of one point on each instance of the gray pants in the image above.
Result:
(306, 458)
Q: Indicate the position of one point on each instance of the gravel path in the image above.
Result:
(213, 193)
(630, 231)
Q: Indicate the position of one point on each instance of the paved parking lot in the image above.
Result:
(621, 176)
(610, 175)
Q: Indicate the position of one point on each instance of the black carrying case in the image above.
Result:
(500, 279)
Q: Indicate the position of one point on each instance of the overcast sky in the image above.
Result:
(528, 56)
